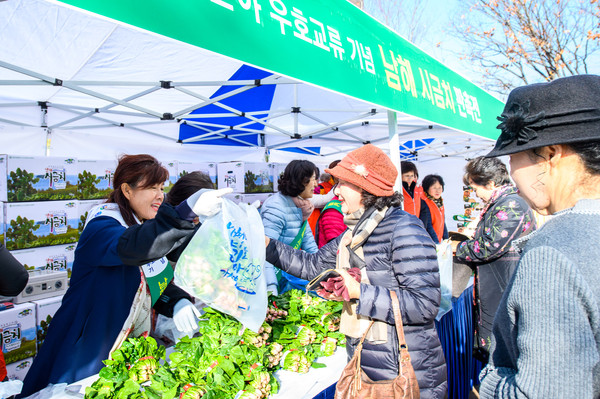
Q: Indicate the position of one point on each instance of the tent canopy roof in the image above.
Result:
(62, 69)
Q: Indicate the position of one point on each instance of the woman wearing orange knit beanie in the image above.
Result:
(388, 250)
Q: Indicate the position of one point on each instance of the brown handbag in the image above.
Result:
(354, 383)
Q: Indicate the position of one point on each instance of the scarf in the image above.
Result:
(350, 254)
(351, 219)
(438, 201)
(305, 206)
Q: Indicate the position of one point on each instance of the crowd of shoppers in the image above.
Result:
(536, 292)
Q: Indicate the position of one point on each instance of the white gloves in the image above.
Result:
(185, 317)
(206, 202)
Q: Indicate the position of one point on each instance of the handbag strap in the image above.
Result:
(403, 355)
(398, 320)
(402, 347)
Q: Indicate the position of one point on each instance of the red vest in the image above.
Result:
(413, 205)
(437, 217)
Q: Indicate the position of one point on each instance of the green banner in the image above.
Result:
(328, 43)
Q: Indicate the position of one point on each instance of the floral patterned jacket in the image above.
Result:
(491, 255)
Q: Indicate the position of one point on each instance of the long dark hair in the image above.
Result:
(139, 171)
(296, 176)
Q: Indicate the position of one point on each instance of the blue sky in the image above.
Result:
(438, 43)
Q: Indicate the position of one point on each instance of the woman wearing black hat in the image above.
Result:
(546, 334)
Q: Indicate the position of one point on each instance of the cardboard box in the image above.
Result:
(208, 168)
(44, 312)
(95, 178)
(18, 331)
(3, 161)
(56, 257)
(245, 177)
(40, 224)
(18, 370)
(2, 223)
(250, 198)
(172, 167)
(276, 171)
(41, 178)
(83, 207)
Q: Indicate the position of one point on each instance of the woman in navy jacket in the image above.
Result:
(394, 252)
(97, 309)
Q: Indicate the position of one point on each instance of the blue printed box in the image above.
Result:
(40, 224)
(19, 332)
(172, 168)
(95, 179)
(245, 177)
(208, 168)
(40, 178)
(56, 257)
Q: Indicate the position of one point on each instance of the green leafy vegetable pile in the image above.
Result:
(226, 361)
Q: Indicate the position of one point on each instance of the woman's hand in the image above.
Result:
(341, 288)
(267, 241)
(352, 285)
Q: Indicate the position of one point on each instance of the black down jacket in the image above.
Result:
(399, 255)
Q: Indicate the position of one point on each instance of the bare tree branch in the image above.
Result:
(516, 42)
(406, 17)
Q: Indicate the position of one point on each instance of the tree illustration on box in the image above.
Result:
(20, 233)
(41, 333)
(81, 223)
(250, 185)
(86, 184)
(250, 182)
(20, 185)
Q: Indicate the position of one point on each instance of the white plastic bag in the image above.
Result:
(223, 265)
(10, 388)
(444, 255)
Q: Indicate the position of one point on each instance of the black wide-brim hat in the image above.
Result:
(563, 111)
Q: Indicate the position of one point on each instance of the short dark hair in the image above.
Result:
(296, 176)
(407, 166)
(483, 170)
(430, 180)
(187, 185)
(369, 200)
(139, 171)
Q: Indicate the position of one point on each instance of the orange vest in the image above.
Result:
(324, 188)
(413, 205)
(437, 218)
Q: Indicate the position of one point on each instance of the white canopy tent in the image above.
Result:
(79, 85)
(70, 75)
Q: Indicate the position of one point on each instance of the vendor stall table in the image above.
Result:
(456, 335)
